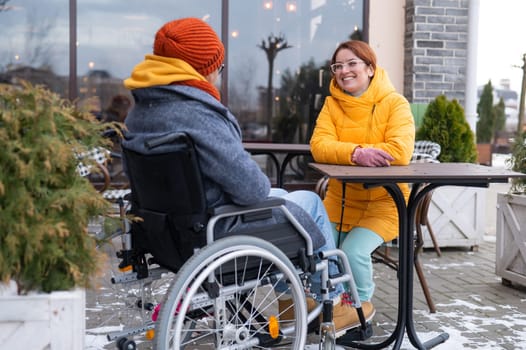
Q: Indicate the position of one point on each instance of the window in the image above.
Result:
(34, 42)
(113, 36)
(276, 74)
(278, 56)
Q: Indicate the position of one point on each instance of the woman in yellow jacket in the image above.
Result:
(364, 122)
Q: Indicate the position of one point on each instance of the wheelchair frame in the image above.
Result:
(225, 295)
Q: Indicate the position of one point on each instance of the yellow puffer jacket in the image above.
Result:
(379, 118)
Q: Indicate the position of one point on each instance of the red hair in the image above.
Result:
(361, 49)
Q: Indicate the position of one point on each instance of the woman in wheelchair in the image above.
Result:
(174, 92)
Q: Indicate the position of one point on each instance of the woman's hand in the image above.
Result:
(371, 157)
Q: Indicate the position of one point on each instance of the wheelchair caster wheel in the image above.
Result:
(126, 344)
(119, 342)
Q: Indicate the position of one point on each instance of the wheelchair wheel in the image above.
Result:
(229, 292)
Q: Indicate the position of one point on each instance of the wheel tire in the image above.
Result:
(231, 318)
(129, 345)
(120, 342)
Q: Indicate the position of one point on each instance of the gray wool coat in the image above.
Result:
(230, 175)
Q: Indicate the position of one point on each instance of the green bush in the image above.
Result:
(517, 162)
(486, 115)
(491, 118)
(500, 115)
(44, 203)
(445, 123)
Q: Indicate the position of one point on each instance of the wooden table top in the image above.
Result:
(443, 173)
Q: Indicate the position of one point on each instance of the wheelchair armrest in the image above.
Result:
(258, 211)
(271, 202)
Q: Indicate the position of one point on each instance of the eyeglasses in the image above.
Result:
(220, 70)
(338, 67)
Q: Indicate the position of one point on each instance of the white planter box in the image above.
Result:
(456, 215)
(511, 238)
(53, 321)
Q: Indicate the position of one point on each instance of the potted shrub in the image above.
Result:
(455, 213)
(511, 220)
(485, 125)
(490, 124)
(47, 257)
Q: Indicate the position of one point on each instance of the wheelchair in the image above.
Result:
(224, 287)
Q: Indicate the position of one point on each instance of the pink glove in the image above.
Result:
(372, 157)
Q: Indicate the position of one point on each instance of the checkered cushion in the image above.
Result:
(99, 154)
(426, 152)
(116, 194)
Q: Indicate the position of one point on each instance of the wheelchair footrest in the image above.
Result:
(153, 274)
(126, 332)
(355, 334)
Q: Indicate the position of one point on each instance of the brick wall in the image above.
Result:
(435, 48)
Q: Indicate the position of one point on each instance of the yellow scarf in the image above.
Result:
(159, 70)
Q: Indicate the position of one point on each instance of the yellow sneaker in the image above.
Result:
(346, 317)
(286, 309)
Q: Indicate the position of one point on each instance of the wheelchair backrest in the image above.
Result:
(167, 196)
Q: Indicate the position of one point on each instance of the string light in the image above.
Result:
(291, 6)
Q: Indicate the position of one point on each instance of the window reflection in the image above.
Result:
(278, 51)
(278, 63)
(34, 42)
(114, 37)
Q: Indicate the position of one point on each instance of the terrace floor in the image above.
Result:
(473, 306)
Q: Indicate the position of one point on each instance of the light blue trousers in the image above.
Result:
(312, 204)
(358, 244)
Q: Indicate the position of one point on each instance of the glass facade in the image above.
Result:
(277, 51)
(278, 54)
(34, 42)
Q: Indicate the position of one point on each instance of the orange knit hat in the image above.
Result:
(193, 41)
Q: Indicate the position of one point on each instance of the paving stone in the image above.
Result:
(473, 306)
